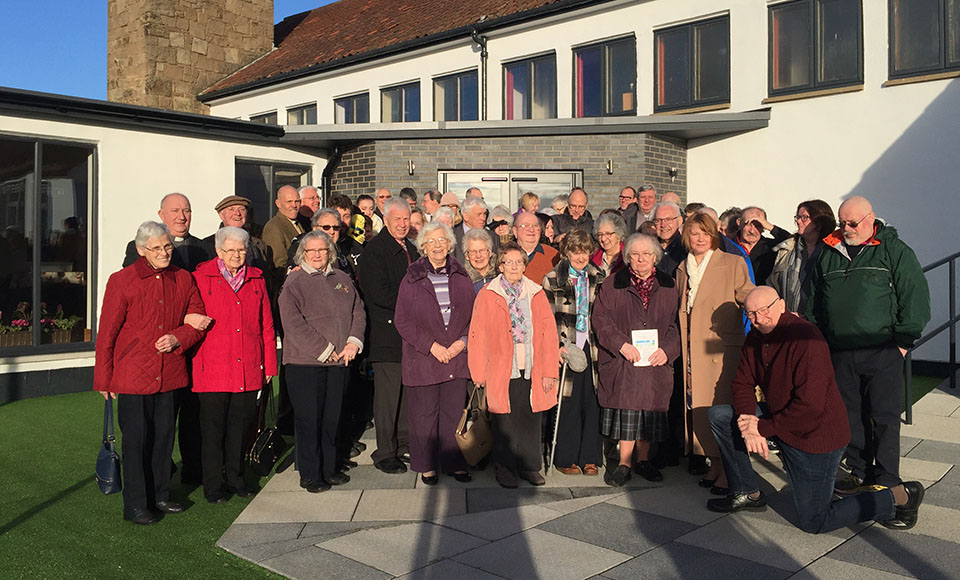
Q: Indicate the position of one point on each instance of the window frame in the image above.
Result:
(604, 104)
(458, 75)
(529, 62)
(402, 87)
(813, 13)
(691, 103)
(352, 97)
(303, 109)
(264, 118)
(942, 67)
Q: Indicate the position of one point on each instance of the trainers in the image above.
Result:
(906, 514)
(848, 485)
(618, 476)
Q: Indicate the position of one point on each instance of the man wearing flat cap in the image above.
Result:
(234, 211)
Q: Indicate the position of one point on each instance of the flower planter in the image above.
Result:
(62, 336)
(16, 339)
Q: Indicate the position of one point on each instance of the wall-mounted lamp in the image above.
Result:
(411, 166)
(673, 173)
(609, 166)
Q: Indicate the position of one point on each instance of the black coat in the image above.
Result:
(188, 255)
(380, 270)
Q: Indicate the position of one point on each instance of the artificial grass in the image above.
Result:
(55, 523)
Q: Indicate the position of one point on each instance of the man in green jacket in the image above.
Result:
(869, 297)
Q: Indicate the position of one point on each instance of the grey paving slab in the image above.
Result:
(447, 570)
(539, 554)
(369, 477)
(619, 529)
(289, 480)
(484, 499)
(952, 477)
(241, 535)
(399, 550)
(496, 524)
(597, 491)
(944, 495)
(933, 427)
(257, 542)
(939, 522)
(936, 451)
(913, 468)
(687, 503)
(571, 505)
(907, 444)
(830, 569)
(763, 541)
(330, 530)
(300, 506)
(782, 510)
(675, 560)
(938, 402)
(907, 554)
(307, 563)
(410, 504)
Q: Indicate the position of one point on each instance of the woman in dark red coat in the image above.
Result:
(236, 357)
(635, 398)
(141, 343)
(434, 306)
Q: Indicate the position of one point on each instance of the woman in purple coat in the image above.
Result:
(635, 398)
(433, 312)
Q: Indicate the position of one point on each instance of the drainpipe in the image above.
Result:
(481, 41)
(328, 170)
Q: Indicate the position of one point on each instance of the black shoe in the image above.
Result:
(906, 514)
(736, 502)
(698, 465)
(242, 491)
(617, 477)
(170, 507)
(142, 517)
(462, 477)
(392, 466)
(190, 480)
(357, 448)
(704, 482)
(349, 464)
(338, 478)
(717, 490)
(404, 457)
(429, 479)
(315, 486)
(219, 496)
(646, 470)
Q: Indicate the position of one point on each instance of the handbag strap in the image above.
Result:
(108, 420)
(270, 403)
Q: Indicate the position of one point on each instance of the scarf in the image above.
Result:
(234, 281)
(517, 323)
(644, 287)
(694, 275)
(582, 292)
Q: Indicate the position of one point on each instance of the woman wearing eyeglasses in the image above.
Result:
(323, 323)
(713, 286)
(797, 254)
(434, 306)
(478, 250)
(610, 231)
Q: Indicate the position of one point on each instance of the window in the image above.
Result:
(530, 88)
(259, 181)
(400, 104)
(266, 118)
(46, 291)
(352, 109)
(455, 97)
(815, 44)
(924, 37)
(693, 65)
(605, 82)
(306, 115)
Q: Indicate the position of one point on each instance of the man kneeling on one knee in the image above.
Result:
(790, 361)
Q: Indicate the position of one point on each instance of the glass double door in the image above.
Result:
(507, 187)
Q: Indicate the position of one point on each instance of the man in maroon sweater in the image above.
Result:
(789, 359)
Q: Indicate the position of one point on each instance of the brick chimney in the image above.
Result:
(162, 53)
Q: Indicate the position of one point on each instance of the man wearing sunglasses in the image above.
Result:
(870, 298)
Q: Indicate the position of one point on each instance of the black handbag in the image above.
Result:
(108, 461)
(269, 444)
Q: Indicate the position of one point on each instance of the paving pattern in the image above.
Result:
(575, 527)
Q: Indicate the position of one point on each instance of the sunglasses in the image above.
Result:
(853, 224)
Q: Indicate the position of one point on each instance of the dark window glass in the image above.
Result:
(353, 109)
(266, 118)
(838, 40)
(302, 115)
(693, 65)
(17, 179)
(673, 68)
(620, 68)
(953, 33)
(455, 97)
(530, 89)
(259, 181)
(925, 36)
(411, 103)
(469, 94)
(605, 79)
(712, 61)
(400, 104)
(589, 82)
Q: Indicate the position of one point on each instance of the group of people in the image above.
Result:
(706, 336)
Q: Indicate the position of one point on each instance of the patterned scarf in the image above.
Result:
(582, 290)
(517, 322)
(235, 281)
(644, 287)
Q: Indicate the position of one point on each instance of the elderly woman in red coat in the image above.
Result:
(141, 343)
(236, 357)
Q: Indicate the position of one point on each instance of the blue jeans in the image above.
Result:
(811, 477)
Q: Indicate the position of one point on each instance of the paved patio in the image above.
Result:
(575, 527)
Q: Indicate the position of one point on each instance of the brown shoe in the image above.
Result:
(591, 469)
(572, 470)
(534, 477)
(506, 478)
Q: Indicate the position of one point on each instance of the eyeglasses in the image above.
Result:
(239, 252)
(479, 252)
(605, 234)
(660, 221)
(638, 255)
(317, 251)
(801, 219)
(528, 226)
(164, 249)
(436, 242)
(327, 228)
(752, 314)
(513, 263)
(854, 224)
(571, 206)
(627, 196)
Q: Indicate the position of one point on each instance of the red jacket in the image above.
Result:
(240, 347)
(140, 305)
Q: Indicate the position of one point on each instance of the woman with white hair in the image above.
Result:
(236, 358)
(610, 230)
(478, 250)
(433, 312)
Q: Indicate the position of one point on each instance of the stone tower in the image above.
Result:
(162, 53)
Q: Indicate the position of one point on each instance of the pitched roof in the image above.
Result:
(350, 31)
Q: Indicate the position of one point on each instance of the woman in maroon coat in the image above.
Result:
(141, 342)
(434, 306)
(236, 357)
(635, 398)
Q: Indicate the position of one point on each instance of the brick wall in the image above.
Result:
(162, 53)
(356, 172)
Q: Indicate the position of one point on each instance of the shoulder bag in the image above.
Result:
(474, 436)
(108, 461)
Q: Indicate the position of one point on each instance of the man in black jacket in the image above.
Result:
(753, 222)
(380, 270)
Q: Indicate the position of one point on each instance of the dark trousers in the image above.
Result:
(811, 477)
(434, 412)
(284, 406)
(189, 434)
(147, 425)
(579, 441)
(316, 393)
(226, 420)
(871, 385)
(516, 435)
(389, 412)
(669, 451)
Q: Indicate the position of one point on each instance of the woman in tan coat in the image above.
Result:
(713, 286)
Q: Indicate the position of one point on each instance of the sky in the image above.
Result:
(60, 46)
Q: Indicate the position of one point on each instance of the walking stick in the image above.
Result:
(575, 359)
